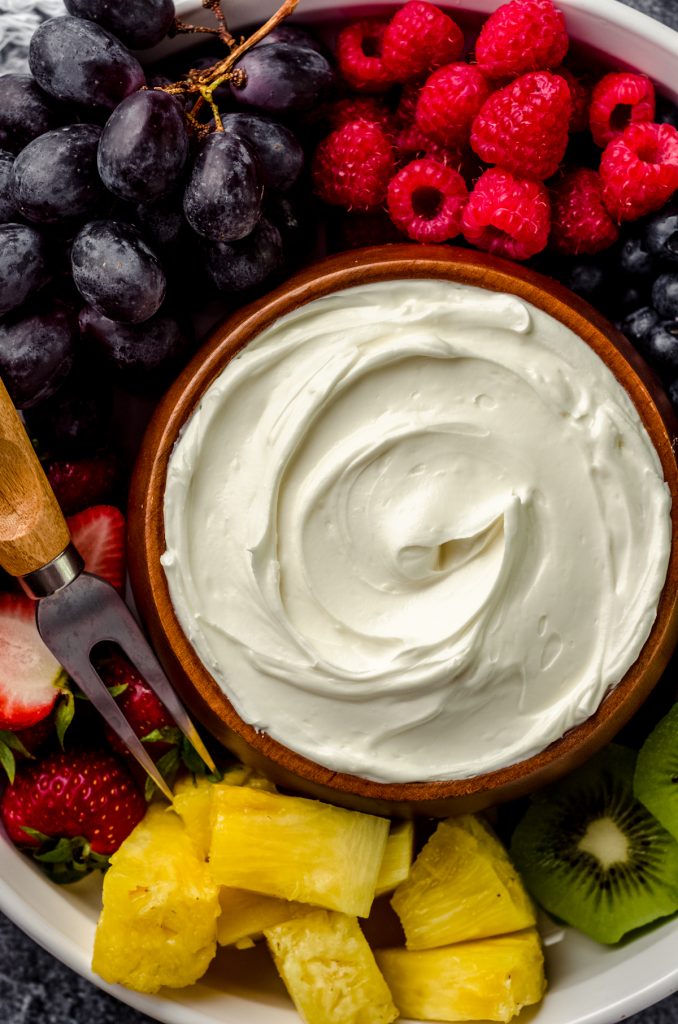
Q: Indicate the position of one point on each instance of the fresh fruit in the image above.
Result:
(24, 267)
(239, 266)
(159, 919)
(99, 535)
(140, 706)
(491, 979)
(30, 676)
(418, 38)
(661, 235)
(246, 915)
(139, 25)
(580, 94)
(25, 111)
(283, 78)
(116, 272)
(79, 62)
(639, 169)
(9, 211)
(144, 356)
(426, 201)
(330, 971)
(81, 483)
(462, 886)
(592, 855)
(635, 257)
(36, 352)
(359, 55)
(661, 347)
(398, 855)
(193, 800)
(524, 126)
(55, 177)
(278, 151)
(20, 744)
(360, 108)
(580, 222)
(260, 838)
(665, 296)
(617, 100)
(353, 166)
(223, 196)
(655, 781)
(507, 216)
(522, 36)
(144, 147)
(638, 324)
(72, 810)
(448, 103)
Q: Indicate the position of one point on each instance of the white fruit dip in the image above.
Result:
(416, 530)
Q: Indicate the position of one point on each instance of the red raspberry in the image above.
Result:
(418, 38)
(359, 108)
(426, 200)
(406, 110)
(617, 101)
(524, 35)
(507, 216)
(639, 170)
(524, 126)
(353, 166)
(580, 94)
(411, 142)
(580, 224)
(449, 101)
(358, 53)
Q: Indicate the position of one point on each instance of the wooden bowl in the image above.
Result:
(147, 540)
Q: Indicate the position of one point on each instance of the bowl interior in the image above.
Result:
(147, 541)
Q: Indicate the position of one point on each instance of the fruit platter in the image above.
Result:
(415, 526)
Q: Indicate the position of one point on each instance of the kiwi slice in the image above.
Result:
(593, 856)
(656, 778)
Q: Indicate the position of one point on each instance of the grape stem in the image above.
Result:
(208, 80)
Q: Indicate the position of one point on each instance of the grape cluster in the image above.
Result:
(125, 202)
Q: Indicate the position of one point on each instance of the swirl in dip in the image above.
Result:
(416, 530)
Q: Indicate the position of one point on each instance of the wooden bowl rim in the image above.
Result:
(346, 270)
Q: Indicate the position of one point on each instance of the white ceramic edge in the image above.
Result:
(610, 17)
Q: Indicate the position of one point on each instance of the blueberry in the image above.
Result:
(661, 348)
(662, 235)
(637, 325)
(634, 296)
(589, 280)
(665, 296)
(634, 257)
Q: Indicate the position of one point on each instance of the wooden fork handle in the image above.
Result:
(33, 530)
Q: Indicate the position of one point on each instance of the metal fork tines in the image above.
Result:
(88, 612)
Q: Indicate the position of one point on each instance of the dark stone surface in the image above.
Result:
(36, 989)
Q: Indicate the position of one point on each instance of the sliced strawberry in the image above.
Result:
(80, 483)
(29, 674)
(99, 535)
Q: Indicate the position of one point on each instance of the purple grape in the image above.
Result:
(144, 355)
(280, 156)
(283, 79)
(8, 208)
(116, 272)
(222, 200)
(55, 176)
(25, 112)
(80, 62)
(76, 420)
(295, 36)
(239, 266)
(23, 264)
(144, 147)
(36, 354)
(138, 24)
(161, 223)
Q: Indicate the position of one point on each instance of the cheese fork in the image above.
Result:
(75, 611)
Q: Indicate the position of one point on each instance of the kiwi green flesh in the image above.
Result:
(593, 856)
(656, 778)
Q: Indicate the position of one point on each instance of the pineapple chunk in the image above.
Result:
(193, 801)
(245, 915)
(298, 849)
(158, 925)
(329, 970)
(395, 867)
(461, 886)
(491, 979)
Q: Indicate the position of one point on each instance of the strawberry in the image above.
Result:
(30, 676)
(99, 535)
(140, 706)
(72, 811)
(22, 744)
(79, 483)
